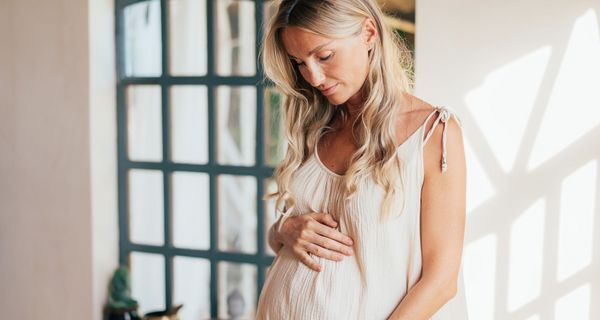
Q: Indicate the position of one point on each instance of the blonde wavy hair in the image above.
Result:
(307, 113)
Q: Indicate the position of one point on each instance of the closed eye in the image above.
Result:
(322, 59)
(326, 58)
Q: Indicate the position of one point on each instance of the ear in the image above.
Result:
(369, 32)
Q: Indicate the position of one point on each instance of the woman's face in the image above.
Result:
(337, 67)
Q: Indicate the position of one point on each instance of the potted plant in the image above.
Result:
(121, 306)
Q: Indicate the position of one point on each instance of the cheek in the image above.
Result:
(352, 74)
(302, 73)
(305, 75)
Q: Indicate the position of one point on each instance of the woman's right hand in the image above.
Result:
(314, 233)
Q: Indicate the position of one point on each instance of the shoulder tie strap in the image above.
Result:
(444, 115)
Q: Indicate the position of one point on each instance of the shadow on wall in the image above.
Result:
(533, 150)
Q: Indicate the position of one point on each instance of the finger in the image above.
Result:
(334, 234)
(307, 260)
(322, 252)
(326, 218)
(332, 245)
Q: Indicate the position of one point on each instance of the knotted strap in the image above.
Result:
(444, 116)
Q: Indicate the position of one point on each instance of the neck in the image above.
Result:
(353, 114)
(353, 110)
(355, 103)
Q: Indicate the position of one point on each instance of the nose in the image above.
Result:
(315, 76)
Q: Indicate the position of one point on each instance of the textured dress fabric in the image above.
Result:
(387, 254)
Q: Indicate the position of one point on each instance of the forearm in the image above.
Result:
(273, 240)
(423, 300)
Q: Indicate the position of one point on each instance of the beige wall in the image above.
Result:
(524, 76)
(57, 157)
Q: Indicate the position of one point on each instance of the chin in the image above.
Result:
(335, 99)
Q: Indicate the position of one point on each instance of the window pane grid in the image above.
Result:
(167, 168)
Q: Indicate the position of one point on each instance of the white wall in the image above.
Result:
(525, 78)
(57, 158)
(103, 149)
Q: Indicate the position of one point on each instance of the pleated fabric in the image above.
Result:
(387, 254)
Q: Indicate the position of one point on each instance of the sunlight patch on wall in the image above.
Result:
(574, 305)
(574, 104)
(480, 273)
(576, 233)
(526, 256)
(503, 103)
(481, 188)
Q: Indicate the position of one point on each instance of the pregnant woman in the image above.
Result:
(372, 188)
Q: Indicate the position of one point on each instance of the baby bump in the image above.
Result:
(293, 290)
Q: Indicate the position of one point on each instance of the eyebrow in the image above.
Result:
(317, 48)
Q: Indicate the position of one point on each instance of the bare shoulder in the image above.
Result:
(447, 152)
(412, 115)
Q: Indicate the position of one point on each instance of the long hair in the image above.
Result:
(307, 113)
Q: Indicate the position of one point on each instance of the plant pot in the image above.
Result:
(169, 314)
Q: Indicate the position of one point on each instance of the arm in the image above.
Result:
(272, 237)
(442, 227)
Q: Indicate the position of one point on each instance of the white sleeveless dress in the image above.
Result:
(387, 255)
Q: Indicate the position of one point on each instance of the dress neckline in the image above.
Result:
(337, 175)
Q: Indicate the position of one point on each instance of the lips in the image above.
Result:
(329, 89)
